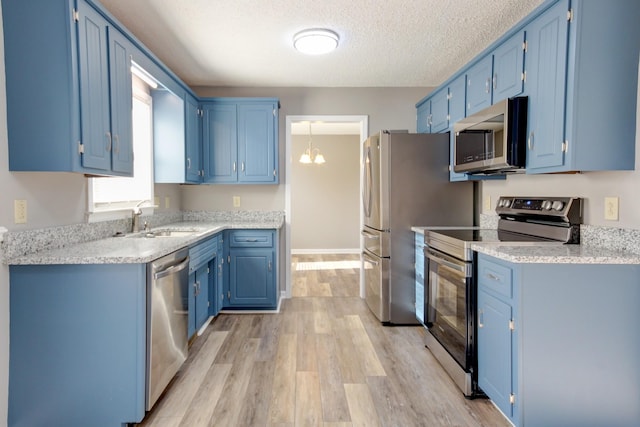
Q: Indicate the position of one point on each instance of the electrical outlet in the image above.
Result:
(20, 211)
(167, 202)
(611, 208)
(487, 203)
(236, 201)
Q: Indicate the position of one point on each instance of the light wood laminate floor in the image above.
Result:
(324, 360)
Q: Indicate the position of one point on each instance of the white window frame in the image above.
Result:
(123, 209)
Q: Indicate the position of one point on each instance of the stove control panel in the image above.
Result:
(565, 209)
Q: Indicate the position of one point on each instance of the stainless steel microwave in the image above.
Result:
(492, 140)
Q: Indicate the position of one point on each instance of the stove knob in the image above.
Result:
(546, 205)
(558, 205)
(506, 203)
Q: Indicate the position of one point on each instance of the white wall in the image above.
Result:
(325, 199)
(593, 186)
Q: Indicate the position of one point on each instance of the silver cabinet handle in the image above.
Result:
(116, 144)
(480, 318)
(234, 166)
(269, 265)
(492, 277)
(188, 163)
(495, 81)
(530, 141)
(242, 168)
(487, 85)
(108, 135)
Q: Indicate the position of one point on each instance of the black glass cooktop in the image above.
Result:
(486, 235)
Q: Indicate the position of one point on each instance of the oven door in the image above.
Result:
(450, 304)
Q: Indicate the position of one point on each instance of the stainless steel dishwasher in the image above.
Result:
(167, 309)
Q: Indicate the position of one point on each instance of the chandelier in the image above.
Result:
(312, 155)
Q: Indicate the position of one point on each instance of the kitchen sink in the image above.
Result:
(164, 233)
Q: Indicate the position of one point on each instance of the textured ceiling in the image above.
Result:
(392, 43)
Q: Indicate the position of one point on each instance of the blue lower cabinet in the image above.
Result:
(558, 344)
(252, 269)
(203, 278)
(77, 354)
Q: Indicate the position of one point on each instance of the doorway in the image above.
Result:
(320, 125)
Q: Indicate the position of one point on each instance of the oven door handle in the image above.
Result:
(442, 261)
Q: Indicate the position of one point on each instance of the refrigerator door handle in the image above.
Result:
(370, 235)
(368, 181)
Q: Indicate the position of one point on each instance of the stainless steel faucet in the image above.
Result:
(135, 219)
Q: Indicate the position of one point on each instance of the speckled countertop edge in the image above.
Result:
(87, 244)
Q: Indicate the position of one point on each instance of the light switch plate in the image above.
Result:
(236, 201)
(611, 208)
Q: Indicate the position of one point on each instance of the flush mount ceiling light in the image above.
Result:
(315, 41)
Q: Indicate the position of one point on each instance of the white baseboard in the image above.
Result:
(324, 251)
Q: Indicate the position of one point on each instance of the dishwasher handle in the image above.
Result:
(172, 270)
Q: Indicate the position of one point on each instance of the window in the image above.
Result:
(115, 197)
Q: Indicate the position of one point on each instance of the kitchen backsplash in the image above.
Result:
(617, 239)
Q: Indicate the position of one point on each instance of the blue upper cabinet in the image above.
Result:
(546, 71)
(433, 114)
(193, 161)
(457, 97)
(220, 142)
(508, 68)
(79, 72)
(479, 85)
(497, 76)
(240, 140)
(440, 111)
(583, 92)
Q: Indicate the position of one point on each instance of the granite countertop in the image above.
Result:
(555, 254)
(592, 251)
(134, 249)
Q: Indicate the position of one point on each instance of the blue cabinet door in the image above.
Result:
(546, 72)
(94, 88)
(251, 278)
(479, 78)
(256, 142)
(508, 68)
(121, 102)
(105, 94)
(440, 111)
(220, 143)
(193, 160)
(494, 350)
(202, 295)
(457, 99)
(423, 124)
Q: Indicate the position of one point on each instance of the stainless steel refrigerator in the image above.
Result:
(405, 184)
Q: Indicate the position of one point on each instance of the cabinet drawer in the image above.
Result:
(495, 277)
(251, 239)
(202, 253)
